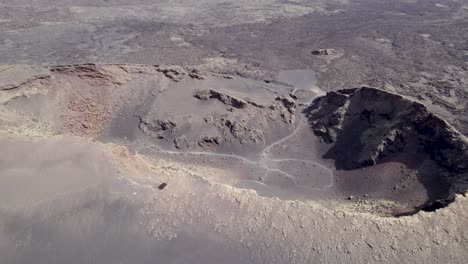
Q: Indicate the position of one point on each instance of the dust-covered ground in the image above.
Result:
(94, 203)
(184, 131)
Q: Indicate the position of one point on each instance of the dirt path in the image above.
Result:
(265, 161)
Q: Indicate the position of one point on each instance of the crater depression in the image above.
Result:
(360, 149)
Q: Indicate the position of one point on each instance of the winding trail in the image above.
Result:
(265, 161)
(266, 151)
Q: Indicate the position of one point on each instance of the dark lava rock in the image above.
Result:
(372, 122)
(222, 97)
(366, 126)
(207, 141)
(196, 74)
(156, 125)
(284, 107)
(243, 133)
(287, 102)
(319, 52)
(174, 73)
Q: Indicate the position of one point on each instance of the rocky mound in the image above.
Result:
(224, 119)
(366, 127)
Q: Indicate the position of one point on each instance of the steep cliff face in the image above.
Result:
(367, 124)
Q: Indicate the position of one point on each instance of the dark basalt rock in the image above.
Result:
(376, 122)
(156, 125)
(366, 126)
(226, 99)
(319, 52)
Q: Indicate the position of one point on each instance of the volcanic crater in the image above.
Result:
(360, 149)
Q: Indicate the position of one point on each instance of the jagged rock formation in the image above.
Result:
(286, 107)
(156, 125)
(222, 97)
(225, 98)
(325, 52)
(175, 73)
(196, 74)
(207, 141)
(320, 52)
(241, 131)
(366, 126)
(378, 123)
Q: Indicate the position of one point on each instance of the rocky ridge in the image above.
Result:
(368, 126)
(386, 123)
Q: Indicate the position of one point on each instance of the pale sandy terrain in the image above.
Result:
(110, 209)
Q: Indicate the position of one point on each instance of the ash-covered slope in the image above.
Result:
(168, 106)
(367, 126)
